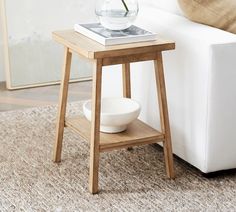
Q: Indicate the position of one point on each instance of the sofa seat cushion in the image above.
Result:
(217, 13)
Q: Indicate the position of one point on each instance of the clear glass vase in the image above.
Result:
(117, 14)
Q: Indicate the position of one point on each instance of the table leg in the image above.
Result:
(126, 84)
(126, 80)
(164, 117)
(95, 127)
(62, 106)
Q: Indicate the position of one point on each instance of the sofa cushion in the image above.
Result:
(217, 13)
(167, 5)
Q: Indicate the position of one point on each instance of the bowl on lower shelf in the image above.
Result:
(116, 113)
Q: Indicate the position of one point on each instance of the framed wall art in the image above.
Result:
(32, 58)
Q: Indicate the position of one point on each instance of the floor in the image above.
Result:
(40, 96)
(128, 180)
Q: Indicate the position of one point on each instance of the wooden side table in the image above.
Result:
(137, 133)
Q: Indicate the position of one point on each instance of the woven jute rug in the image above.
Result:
(129, 180)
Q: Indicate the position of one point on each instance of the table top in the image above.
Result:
(93, 50)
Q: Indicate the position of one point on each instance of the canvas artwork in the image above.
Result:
(31, 56)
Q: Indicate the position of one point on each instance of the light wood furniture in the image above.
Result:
(138, 133)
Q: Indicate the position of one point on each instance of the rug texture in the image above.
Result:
(129, 180)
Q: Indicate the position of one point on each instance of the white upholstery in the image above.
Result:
(167, 5)
(200, 80)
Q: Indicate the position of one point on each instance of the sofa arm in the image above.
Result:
(221, 137)
(201, 89)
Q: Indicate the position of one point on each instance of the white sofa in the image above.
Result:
(201, 86)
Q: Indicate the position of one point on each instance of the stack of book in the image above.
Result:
(108, 37)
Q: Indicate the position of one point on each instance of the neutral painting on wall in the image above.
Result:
(32, 58)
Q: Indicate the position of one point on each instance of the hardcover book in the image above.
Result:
(108, 37)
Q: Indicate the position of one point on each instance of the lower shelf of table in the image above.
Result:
(137, 133)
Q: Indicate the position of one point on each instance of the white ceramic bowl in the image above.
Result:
(116, 113)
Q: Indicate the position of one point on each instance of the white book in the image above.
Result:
(108, 37)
